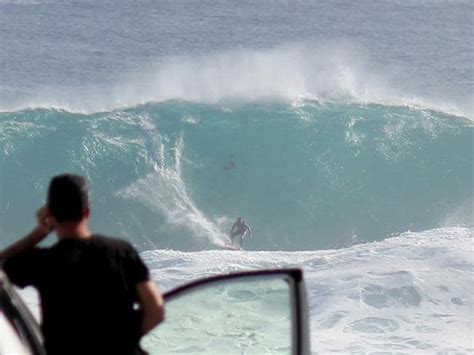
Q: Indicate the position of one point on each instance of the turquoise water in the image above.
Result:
(306, 176)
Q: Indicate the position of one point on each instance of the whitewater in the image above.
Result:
(342, 132)
(404, 295)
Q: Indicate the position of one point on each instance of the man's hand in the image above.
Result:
(44, 220)
(40, 232)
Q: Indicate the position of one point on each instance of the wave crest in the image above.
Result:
(289, 73)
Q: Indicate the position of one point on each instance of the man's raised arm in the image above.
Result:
(30, 240)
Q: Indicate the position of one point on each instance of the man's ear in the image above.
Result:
(87, 213)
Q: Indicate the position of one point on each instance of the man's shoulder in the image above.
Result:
(112, 243)
(26, 255)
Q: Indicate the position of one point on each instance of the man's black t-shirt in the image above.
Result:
(88, 294)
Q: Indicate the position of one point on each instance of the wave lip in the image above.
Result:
(290, 73)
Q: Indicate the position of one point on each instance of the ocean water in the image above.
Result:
(341, 131)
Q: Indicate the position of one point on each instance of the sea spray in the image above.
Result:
(290, 73)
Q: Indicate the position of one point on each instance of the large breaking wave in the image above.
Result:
(306, 175)
(312, 146)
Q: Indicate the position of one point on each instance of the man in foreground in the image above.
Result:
(96, 294)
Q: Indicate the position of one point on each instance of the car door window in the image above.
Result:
(252, 314)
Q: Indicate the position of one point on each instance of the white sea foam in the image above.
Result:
(407, 294)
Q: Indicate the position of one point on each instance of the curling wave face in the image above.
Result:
(306, 175)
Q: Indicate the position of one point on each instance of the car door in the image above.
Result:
(254, 312)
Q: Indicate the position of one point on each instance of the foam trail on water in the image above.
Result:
(165, 191)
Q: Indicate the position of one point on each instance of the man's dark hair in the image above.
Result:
(68, 197)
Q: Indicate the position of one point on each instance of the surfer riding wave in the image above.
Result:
(239, 229)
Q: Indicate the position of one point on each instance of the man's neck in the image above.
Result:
(73, 230)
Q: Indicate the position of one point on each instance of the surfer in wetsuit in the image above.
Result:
(239, 229)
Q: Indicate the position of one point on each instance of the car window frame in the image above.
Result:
(298, 298)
